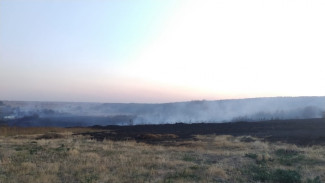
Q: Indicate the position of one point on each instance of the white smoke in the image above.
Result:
(255, 109)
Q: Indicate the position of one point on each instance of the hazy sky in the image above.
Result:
(161, 50)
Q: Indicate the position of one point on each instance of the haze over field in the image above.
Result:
(87, 114)
(160, 51)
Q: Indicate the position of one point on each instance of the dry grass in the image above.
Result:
(205, 159)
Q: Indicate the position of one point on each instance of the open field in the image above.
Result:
(61, 155)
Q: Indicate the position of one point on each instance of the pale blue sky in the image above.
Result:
(160, 51)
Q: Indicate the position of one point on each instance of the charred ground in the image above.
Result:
(304, 132)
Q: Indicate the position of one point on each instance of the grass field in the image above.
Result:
(57, 155)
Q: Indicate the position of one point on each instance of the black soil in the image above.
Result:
(301, 132)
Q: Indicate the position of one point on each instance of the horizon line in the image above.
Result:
(193, 100)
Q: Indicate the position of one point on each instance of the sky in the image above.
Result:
(160, 51)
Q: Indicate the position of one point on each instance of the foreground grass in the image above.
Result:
(68, 158)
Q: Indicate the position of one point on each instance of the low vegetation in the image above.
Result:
(58, 155)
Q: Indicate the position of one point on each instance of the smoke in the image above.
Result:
(83, 114)
(234, 110)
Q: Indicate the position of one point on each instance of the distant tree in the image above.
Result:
(1, 103)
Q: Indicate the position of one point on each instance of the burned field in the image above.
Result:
(305, 132)
(274, 151)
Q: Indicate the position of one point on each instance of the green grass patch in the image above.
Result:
(62, 148)
(195, 167)
(188, 157)
(262, 161)
(89, 178)
(289, 157)
(251, 155)
(286, 176)
(32, 148)
(20, 157)
(262, 173)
